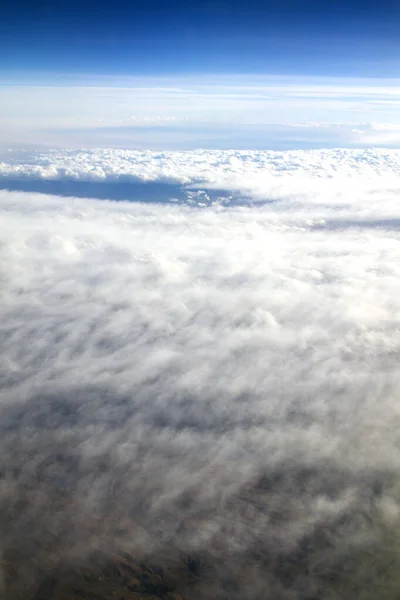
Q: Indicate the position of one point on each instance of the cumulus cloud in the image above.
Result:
(316, 183)
(222, 167)
(219, 380)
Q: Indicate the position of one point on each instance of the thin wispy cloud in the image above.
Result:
(72, 114)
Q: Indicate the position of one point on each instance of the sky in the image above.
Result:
(154, 38)
(224, 74)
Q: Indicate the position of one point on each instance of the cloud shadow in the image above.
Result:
(339, 224)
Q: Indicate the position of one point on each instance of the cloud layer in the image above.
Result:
(238, 111)
(317, 184)
(208, 166)
(212, 379)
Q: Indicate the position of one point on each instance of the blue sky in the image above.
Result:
(339, 37)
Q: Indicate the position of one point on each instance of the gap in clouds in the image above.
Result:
(132, 191)
(102, 190)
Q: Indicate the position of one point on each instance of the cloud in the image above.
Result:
(316, 184)
(189, 111)
(220, 380)
(208, 166)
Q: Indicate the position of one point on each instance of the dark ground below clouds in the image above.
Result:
(177, 576)
(315, 569)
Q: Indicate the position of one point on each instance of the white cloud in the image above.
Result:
(314, 184)
(158, 360)
(101, 111)
(201, 165)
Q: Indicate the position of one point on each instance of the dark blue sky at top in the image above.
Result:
(223, 36)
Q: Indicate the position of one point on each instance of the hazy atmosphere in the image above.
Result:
(200, 301)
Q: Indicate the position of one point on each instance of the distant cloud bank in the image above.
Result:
(168, 113)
